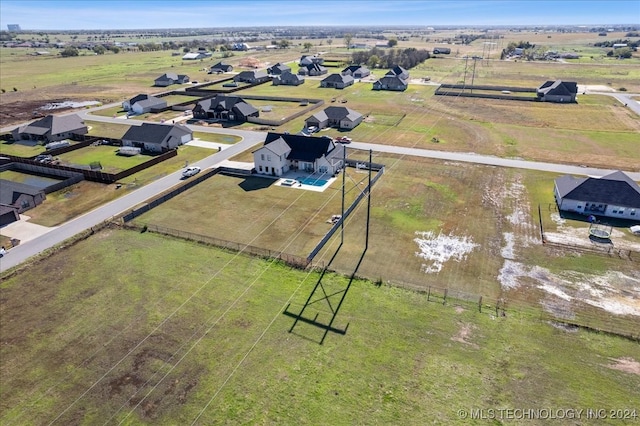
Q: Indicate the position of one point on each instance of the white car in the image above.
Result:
(190, 171)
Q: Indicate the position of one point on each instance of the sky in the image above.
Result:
(154, 14)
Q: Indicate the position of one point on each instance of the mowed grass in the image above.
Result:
(106, 155)
(70, 202)
(254, 211)
(145, 329)
(23, 149)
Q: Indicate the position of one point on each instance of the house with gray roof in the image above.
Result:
(171, 78)
(337, 81)
(278, 69)
(288, 79)
(558, 91)
(398, 71)
(312, 70)
(356, 71)
(52, 128)
(252, 77)
(391, 82)
(310, 59)
(19, 196)
(225, 108)
(335, 116)
(615, 195)
(220, 68)
(142, 103)
(284, 152)
(157, 138)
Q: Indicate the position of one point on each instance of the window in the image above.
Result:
(262, 157)
(633, 212)
(268, 157)
(579, 206)
(260, 168)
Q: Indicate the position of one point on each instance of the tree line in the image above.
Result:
(388, 58)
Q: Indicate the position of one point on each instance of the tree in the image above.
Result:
(347, 40)
(284, 43)
(186, 50)
(308, 46)
(373, 61)
(69, 51)
(99, 50)
(392, 42)
(114, 49)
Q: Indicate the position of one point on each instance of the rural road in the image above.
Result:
(56, 235)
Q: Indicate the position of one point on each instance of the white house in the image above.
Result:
(615, 195)
(284, 152)
(142, 103)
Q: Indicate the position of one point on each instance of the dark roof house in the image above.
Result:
(558, 91)
(614, 195)
(143, 103)
(335, 116)
(52, 128)
(157, 137)
(220, 68)
(337, 81)
(390, 82)
(20, 196)
(288, 79)
(398, 71)
(356, 71)
(226, 108)
(283, 152)
(278, 69)
(312, 69)
(171, 78)
(253, 76)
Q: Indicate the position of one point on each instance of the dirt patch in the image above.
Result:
(23, 111)
(463, 334)
(628, 365)
(439, 249)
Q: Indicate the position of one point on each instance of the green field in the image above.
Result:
(147, 332)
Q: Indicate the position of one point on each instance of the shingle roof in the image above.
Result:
(10, 191)
(153, 133)
(616, 188)
(340, 113)
(559, 87)
(55, 123)
(338, 78)
(304, 148)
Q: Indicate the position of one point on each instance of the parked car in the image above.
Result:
(190, 171)
(343, 139)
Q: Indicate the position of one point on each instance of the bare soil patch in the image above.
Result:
(628, 365)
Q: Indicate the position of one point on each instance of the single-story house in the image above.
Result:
(157, 137)
(614, 195)
(288, 79)
(398, 71)
(337, 81)
(171, 78)
(312, 69)
(283, 152)
(310, 59)
(20, 196)
(356, 71)
(240, 46)
(220, 68)
(278, 69)
(558, 91)
(142, 103)
(193, 56)
(390, 82)
(222, 107)
(335, 116)
(252, 77)
(52, 128)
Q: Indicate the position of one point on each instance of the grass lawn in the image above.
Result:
(143, 330)
(23, 149)
(70, 202)
(105, 155)
(433, 225)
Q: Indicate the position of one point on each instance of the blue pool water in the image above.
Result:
(312, 181)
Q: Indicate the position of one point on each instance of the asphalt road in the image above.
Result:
(57, 235)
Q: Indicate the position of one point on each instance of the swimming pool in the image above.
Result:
(312, 181)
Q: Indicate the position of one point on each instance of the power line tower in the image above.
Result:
(321, 291)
